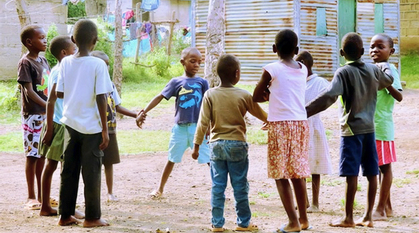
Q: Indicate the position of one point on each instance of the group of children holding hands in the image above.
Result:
(79, 126)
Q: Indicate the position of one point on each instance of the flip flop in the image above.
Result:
(284, 231)
(155, 194)
(308, 228)
(33, 204)
(53, 202)
(251, 227)
(217, 229)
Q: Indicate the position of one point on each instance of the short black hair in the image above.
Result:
(84, 31)
(186, 52)
(305, 58)
(286, 42)
(352, 45)
(59, 43)
(389, 39)
(28, 32)
(226, 67)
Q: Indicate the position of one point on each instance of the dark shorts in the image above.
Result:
(358, 150)
(111, 153)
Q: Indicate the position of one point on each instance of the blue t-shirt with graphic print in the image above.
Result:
(188, 93)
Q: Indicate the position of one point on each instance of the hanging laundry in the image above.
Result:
(150, 5)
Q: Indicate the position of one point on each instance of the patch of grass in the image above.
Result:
(260, 214)
(309, 180)
(329, 134)
(252, 203)
(415, 172)
(11, 142)
(257, 136)
(399, 183)
(138, 95)
(140, 141)
(331, 182)
(264, 195)
(359, 187)
(410, 70)
(9, 102)
(343, 201)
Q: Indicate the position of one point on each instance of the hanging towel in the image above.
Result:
(150, 5)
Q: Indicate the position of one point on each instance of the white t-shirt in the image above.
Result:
(288, 86)
(81, 79)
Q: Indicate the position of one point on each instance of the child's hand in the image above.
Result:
(384, 66)
(140, 118)
(48, 136)
(265, 126)
(195, 152)
(105, 140)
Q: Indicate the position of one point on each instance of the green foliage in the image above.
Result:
(75, 11)
(257, 136)
(150, 141)
(180, 42)
(104, 44)
(52, 32)
(410, 70)
(11, 142)
(9, 96)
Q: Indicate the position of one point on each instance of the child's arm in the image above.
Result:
(259, 94)
(397, 95)
(143, 113)
(126, 112)
(50, 114)
(101, 101)
(202, 126)
(28, 88)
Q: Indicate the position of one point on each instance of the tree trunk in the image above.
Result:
(24, 17)
(215, 40)
(117, 66)
(95, 7)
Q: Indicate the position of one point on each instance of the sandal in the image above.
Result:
(155, 194)
(53, 202)
(217, 229)
(251, 227)
(33, 204)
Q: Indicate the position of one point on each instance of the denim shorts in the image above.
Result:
(358, 150)
(181, 139)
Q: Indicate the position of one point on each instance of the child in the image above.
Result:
(318, 150)
(83, 83)
(288, 127)
(52, 135)
(31, 71)
(111, 153)
(188, 90)
(357, 83)
(381, 48)
(223, 111)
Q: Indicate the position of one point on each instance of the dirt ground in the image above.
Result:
(185, 206)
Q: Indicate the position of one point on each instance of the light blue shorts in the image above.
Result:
(182, 138)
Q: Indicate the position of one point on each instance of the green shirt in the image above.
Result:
(383, 118)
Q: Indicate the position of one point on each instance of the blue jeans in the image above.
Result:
(229, 157)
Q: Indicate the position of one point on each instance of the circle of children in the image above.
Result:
(74, 123)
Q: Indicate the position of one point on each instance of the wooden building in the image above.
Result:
(251, 26)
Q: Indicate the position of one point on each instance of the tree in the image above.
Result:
(117, 66)
(96, 7)
(24, 17)
(214, 40)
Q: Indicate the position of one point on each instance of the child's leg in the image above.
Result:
(284, 190)
(91, 162)
(389, 208)
(315, 184)
(109, 177)
(366, 220)
(38, 173)
(300, 191)
(30, 169)
(219, 173)
(387, 178)
(165, 175)
(238, 178)
(348, 221)
(46, 209)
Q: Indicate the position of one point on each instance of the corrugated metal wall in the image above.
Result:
(324, 49)
(251, 26)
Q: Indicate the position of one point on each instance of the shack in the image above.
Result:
(251, 26)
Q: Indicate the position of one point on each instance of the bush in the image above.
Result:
(104, 44)
(75, 11)
(52, 32)
(180, 41)
(10, 96)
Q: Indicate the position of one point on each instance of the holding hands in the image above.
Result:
(140, 118)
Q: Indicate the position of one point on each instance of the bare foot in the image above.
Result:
(377, 216)
(363, 222)
(288, 228)
(47, 211)
(389, 213)
(78, 214)
(342, 223)
(95, 223)
(313, 209)
(68, 221)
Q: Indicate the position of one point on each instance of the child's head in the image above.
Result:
(228, 68)
(352, 47)
(85, 34)
(34, 38)
(381, 47)
(62, 46)
(191, 60)
(286, 44)
(101, 55)
(305, 58)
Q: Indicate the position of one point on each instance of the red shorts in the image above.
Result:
(386, 152)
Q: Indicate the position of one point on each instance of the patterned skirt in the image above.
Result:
(288, 150)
